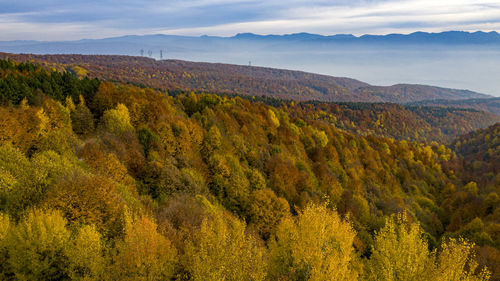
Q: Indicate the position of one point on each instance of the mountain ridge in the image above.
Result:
(244, 80)
(458, 36)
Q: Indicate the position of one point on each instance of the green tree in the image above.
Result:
(82, 119)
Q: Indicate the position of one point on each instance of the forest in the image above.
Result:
(401, 122)
(489, 105)
(239, 79)
(104, 180)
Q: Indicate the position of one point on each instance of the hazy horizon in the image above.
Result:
(356, 35)
(471, 67)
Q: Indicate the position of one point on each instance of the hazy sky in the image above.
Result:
(77, 19)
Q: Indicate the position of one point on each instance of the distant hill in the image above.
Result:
(489, 105)
(243, 80)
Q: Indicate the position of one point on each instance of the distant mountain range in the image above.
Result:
(132, 44)
(242, 80)
(449, 37)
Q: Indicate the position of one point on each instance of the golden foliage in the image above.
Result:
(86, 255)
(144, 254)
(117, 121)
(88, 199)
(220, 250)
(317, 245)
(36, 247)
(399, 252)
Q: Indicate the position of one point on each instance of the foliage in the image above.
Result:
(317, 245)
(37, 246)
(202, 186)
(117, 121)
(144, 254)
(86, 255)
(30, 81)
(220, 250)
(401, 253)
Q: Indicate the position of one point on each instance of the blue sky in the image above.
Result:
(77, 19)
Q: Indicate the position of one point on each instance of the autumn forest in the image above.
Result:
(118, 179)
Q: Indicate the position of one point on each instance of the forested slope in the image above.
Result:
(242, 80)
(109, 181)
(412, 123)
(489, 105)
(481, 152)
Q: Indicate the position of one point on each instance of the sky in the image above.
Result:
(55, 20)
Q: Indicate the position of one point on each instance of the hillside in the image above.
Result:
(489, 105)
(481, 153)
(402, 93)
(201, 185)
(412, 123)
(242, 80)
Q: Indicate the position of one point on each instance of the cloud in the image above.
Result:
(375, 17)
(65, 20)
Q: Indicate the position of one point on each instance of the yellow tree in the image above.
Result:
(106, 164)
(36, 247)
(21, 127)
(144, 254)
(4, 227)
(212, 141)
(116, 121)
(86, 255)
(220, 250)
(316, 245)
(455, 262)
(399, 252)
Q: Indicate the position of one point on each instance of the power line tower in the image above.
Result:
(142, 52)
(161, 54)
